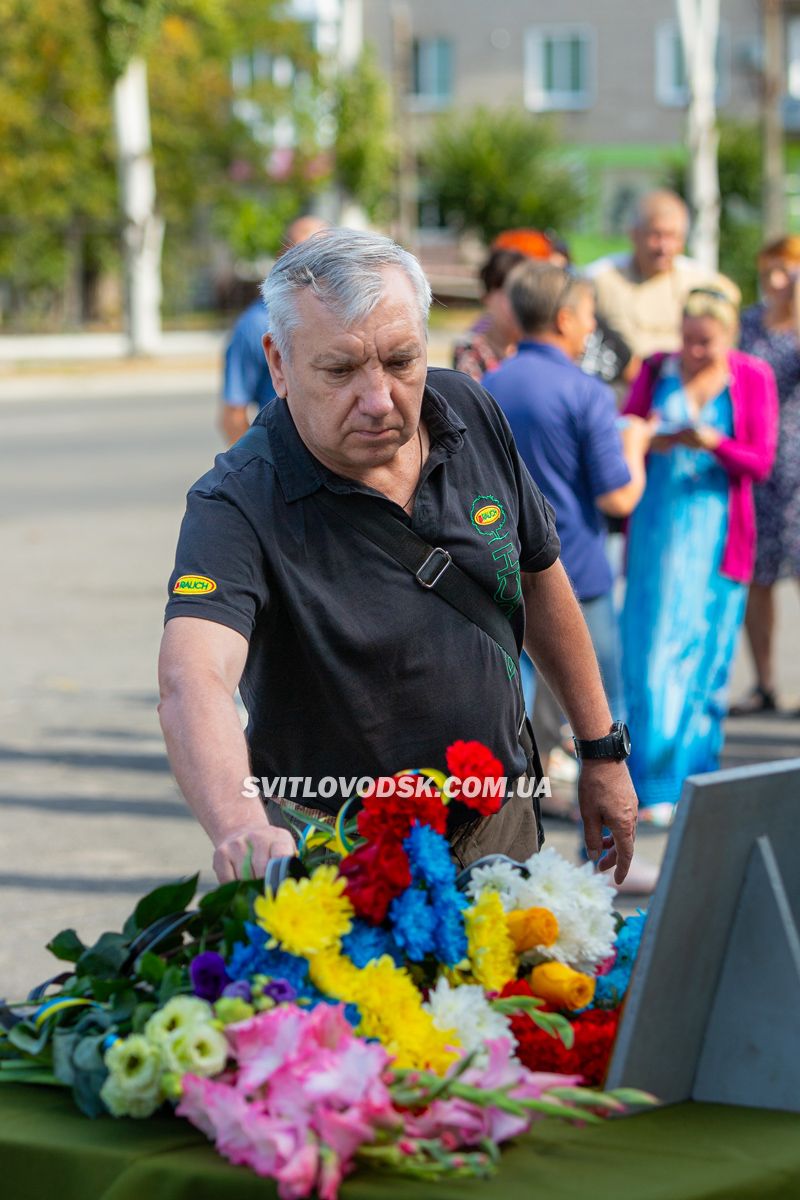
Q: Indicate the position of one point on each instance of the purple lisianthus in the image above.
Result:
(281, 991)
(238, 990)
(208, 975)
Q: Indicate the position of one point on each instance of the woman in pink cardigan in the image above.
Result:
(691, 545)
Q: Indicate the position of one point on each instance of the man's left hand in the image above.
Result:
(607, 798)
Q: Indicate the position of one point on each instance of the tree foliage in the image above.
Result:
(59, 220)
(493, 170)
(365, 148)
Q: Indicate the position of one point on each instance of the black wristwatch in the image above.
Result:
(615, 746)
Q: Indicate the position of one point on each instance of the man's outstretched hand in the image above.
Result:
(607, 798)
(254, 845)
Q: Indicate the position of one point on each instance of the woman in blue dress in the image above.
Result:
(690, 546)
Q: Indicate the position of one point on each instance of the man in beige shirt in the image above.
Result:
(641, 295)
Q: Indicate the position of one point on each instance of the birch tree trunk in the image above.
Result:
(699, 28)
(143, 229)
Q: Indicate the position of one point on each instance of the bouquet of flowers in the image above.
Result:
(371, 1004)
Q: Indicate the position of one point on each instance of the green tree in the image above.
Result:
(493, 170)
(57, 184)
(59, 213)
(365, 149)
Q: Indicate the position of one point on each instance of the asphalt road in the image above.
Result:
(93, 473)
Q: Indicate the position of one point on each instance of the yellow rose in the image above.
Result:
(531, 927)
(560, 986)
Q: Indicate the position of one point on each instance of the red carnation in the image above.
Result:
(389, 813)
(474, 761)
(595, 1031)
(376, 873)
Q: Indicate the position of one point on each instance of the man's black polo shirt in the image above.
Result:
(353, 668)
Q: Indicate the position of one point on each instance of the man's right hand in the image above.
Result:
(265, 841)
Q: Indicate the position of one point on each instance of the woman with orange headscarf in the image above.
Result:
(771, 331)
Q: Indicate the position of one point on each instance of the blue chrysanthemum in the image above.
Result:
(610, 988)
(429, 857)
(254, 958)
(366, 942)
(413, 921)
(450, 937)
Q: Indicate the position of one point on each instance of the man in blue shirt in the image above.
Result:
(246, 377)
(565, 426)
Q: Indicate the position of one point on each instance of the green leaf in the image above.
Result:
(28, 1039)
(217, 902)
(105, 957)
(164, 901)
(66, 946)
(123, 1007)
(88, 1053)
(172, 983)
(588, 1096)
(64, 1043)
(630, 1096)
(150, 967)
(142, 1014)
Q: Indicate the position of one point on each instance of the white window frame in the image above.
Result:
(668, 94)
(536, 97)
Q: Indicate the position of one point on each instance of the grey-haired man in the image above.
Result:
(347, 667)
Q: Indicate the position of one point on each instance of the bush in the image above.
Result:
(495, 170)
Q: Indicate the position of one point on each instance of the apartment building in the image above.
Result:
(610, 73)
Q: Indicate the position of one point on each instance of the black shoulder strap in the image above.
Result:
(432, 567)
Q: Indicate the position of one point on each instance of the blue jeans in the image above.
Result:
(601, 620)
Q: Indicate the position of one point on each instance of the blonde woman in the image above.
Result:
(771, 331)
(691, 545)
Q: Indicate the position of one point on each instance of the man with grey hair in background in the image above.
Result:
(350, 662)
(641, 294)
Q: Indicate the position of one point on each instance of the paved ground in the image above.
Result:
(93, 471)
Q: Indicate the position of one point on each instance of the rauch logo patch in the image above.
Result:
(487, 514)
(194, 585)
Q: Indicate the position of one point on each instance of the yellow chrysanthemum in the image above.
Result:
(391, 1009)
(531, 927)
(562, 987)
(307, 915)
(490, 948)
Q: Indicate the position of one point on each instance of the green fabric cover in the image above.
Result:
(688, 1152)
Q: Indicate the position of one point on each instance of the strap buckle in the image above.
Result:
(431, 571)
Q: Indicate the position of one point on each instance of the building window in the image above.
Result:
(559, 68)
(671, 84)
(432, 71)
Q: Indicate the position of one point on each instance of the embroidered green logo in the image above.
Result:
(488, 517)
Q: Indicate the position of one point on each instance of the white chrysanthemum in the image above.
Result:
(581, 900)
(133, 1086)
(500, 877)
(466, 1010)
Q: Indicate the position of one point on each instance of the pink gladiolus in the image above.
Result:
(308, 1094)
(220, 1113)
(264, 1042)
(468, 1123)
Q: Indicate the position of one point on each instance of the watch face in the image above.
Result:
(626, 739)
